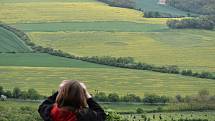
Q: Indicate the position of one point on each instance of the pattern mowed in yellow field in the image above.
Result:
(67, 12)
(191, 49)
(121, 81)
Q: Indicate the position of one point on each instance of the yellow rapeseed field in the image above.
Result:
(68, 12)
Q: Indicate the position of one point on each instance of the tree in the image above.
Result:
(203, 95)
(1, 90)
(187, 72)
(151, 98)
(195, 6)
(202, 22)
(33, 94)
(24, 95)
(8, 94)
(131, 98)
(113, 97)
(188, 99)
(120, 3)
(164, 99)
(101, 96)
(179, 98)
(139, 110)
(16, 92)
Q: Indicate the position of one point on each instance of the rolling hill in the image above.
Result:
(9, 42)
(87, 28)
(152, 5)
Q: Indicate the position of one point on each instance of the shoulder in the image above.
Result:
(87, 114)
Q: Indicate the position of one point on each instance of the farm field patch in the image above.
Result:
(122, 81)
(188, 49)
(9, 42)
(108, 26)
(152, 5)
(43, 60)
(15, 110)
(65, 12)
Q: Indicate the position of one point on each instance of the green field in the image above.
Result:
(9, 42)
(174, 116)
(74, 28)
(25, 74)
(108, 26)
(43, 60)
(188, 49)
(22, 111)
(91, 28)
(152, 5)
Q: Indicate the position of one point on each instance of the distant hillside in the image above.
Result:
(159, 6)
(195, 6)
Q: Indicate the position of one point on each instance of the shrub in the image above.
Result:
(153, 99)
(16, 92)
(139, 110)
(156, 14)
(113, 97)
(203, 22)
(120, 3)
(131, 98)
(101, 96)
(113, 116)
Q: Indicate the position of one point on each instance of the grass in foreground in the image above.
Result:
(22, 111)
(174, 116)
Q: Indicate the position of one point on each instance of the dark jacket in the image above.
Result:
(93, 113)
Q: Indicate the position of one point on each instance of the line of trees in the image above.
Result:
(206, 7)
(122, 62)
(156, 14)
(128, 62)
(203, 22)
(17, 93)
(148, 99)
(120, 3)
(203, 96)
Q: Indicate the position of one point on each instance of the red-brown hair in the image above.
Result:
(71, 94)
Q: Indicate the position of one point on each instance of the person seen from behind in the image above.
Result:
(72, 102)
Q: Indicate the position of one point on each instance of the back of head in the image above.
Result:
(71, 94)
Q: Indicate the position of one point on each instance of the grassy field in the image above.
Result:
(148, 43)
(22, 111)
(25, 74)
(191, 49)
(152, 5)
(9, 42)
(110, 26)
(174, 116)
(43, 60)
